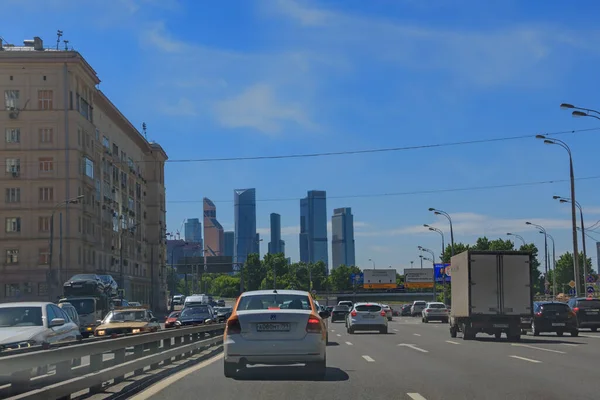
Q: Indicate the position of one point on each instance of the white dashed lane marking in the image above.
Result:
(537, 348)
(367, 358)
(349, 344)
(338, 335)
(416, 334)
(416, 396)
(451, 342)
(526, 359)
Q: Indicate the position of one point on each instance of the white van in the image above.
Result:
(195, 300)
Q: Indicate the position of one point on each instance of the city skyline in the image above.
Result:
(313, 243)
(245, 235)
(213, 231)
(342, 237)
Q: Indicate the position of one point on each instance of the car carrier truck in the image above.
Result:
(491, 292)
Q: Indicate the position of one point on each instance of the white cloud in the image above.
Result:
(591, 210)
(258, 107)
(467, 224)
(517, 54)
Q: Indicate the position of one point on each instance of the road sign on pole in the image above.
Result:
(590, 279)
(572, 284)
(571, 292)
(590, 289)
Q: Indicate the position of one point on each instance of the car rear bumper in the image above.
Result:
(434, 317)
(368, 327)
(275, 352)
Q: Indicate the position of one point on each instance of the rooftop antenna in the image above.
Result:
(66, 42)
(144, 130)
(59, 34)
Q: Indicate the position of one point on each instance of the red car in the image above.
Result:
(170, 320)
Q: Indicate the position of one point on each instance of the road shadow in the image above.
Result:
(374, 333)
(528, 340)
(333, 344)
(288, 373)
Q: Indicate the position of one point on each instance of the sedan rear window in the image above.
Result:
(419, 303)
(437, 306)
(275, 300)
(588, 303)
(341, 308)
(368, 307)
(555, 307)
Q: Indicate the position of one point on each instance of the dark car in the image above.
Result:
(405, 311)
(110, 285)
(339, 313)
(198, 314)
(84, 285)
(223, 313)
(587, 312)
(555, 317)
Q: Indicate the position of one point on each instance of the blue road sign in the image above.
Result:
(590, 279)
(590, 289)
(572, 292)
(357, 279)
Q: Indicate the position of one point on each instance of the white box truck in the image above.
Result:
(491, 292)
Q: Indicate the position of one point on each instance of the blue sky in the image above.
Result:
(247, 78)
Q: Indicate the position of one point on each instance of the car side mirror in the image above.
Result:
(56, 322)
(324, 314)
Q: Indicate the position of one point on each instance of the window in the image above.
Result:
(46, 194)
(42, 289)
(13, 224)
(88, 167)
(44, 256)
(11, 99)
(368, 308)
(105, 142)
(27, 288)
(13, 135)
(84, 108)
(13, 165)
(46, 164)
(98, 189)
(11, 289)
(51, 313)
(12, 256)
(13, 195)
(115, 150)
(44, 224)
(46, 135)
(45, 99)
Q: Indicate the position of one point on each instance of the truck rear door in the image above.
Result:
(485, 297)
(516, 288)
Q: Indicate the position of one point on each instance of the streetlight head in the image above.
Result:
(563, 201)
(547, 141)
(540, 137)
(565, 106)
(528, 223)
(431, 229)
(437, 213)
(579, 114)
(509, 234)
(431, 209)
(556, 197)
(420, 248)
(426, 226)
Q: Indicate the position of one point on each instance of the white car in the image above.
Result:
(28, 324)
(435, 311)
(275, 327)
(367, 317)
(388, 311)
(417, 307)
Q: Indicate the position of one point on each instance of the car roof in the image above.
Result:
(266, 292)
(26, 304)
(364, 303)
(435, 302)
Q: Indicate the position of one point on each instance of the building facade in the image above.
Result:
(342, 238)
(244, 205)
(228, 240)
(193, 230)
(84, 190)
(313, 227)
(214, 240)
(276, 245)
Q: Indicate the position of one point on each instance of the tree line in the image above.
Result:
(262, 273)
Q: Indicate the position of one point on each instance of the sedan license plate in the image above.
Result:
(558, 324)
(500, 325)
(592, 313)
(273, 327)
(368, 316)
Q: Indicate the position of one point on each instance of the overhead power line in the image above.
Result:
(410, 193)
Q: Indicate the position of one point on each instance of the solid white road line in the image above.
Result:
(338, 335)
(537, 348)
(570, 344)
(451, 342)
(416, 396)
(526, 359)
(333, 330)
(416, 334)
(369, 359)
(592, 336)
(395, 330)
(163, 384)
(412, 346)
(349, 344)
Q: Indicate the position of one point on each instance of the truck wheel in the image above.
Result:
(514, 338)
(559, 333)
(575, 333)
(594, 329)
(425, 320)
(453, 331)
(497, 335)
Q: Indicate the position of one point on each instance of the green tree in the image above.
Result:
(458, 248)
(339, 278)
(254, 272)
(225, 286)
(565, 273)
(484, 244)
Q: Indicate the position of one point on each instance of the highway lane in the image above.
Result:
(435, 366)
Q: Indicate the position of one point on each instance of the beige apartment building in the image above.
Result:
(83, 189)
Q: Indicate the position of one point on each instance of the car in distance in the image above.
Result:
(275, 327)
(435, 311)
(417, 307)
(339, 313)
(367, 317)
(127, 320)
(388, 310)
(551, 316)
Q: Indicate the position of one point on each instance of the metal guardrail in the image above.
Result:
(131, 354)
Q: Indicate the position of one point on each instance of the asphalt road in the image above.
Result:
(434, 366)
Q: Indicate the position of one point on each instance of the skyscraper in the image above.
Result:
(342, 237)
(313, 227)
(213, 231)
(244, 208)
(193, 230)
(228, 239)
(276, 245)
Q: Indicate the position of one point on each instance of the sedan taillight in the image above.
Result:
(354, 313)
(233, 326)
(313, 325)
(383, 314)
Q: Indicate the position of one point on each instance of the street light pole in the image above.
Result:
(518, 237)
(372, 262)
(434, 229)
(578, 205)
(580, 111)
(541, 228)
(573, 211)
(553, 265)
(445, 214)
